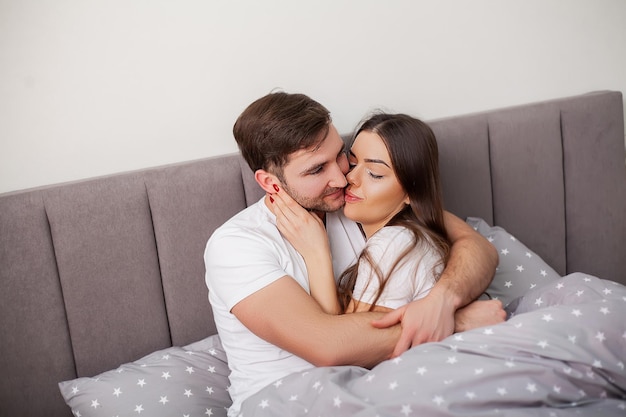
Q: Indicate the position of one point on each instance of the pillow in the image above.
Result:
(519, 269)
(188, 381)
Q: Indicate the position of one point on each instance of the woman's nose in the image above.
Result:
(351, 176)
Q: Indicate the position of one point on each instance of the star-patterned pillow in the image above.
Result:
(190, 381)
(519, 269)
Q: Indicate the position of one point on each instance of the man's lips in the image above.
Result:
(351, 198)
(336, 194)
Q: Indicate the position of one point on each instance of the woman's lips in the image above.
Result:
(351, 198)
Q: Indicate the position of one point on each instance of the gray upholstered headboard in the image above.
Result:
(551, 173)
(103, 271)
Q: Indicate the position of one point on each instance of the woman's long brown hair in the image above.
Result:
(414, 155)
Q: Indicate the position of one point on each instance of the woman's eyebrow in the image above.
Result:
(377, 161)
(374, 161)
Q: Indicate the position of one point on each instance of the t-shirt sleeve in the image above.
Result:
(239, 265)
(412, 277)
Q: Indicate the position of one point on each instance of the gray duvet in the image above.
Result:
(562, 352)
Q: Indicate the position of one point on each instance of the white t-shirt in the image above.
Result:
(244, 255)
(413, 277)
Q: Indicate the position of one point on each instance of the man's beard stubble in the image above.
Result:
(315, 204)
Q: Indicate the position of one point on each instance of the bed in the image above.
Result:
(104, 309)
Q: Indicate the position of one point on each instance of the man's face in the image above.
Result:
(316, 177)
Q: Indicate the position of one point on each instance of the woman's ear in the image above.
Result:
(266, 180)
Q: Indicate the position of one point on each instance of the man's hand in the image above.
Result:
(479, 314)
(429, 319)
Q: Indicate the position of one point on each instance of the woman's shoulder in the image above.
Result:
(398, 235)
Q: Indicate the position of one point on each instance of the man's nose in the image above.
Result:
(339, 178)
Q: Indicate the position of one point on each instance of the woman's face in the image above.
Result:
(373, 195)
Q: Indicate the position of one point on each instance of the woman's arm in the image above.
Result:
(306, 232)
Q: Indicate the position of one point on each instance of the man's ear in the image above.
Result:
(266, 180)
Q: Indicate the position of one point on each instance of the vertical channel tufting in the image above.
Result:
(108, 270)
(528, 192)
(593, 142)
(35, 349)
(464, 165)
(188, 203)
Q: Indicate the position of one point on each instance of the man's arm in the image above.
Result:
(472, 263)
(469, 271)
(283, 314)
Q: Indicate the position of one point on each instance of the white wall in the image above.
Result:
(92, 87)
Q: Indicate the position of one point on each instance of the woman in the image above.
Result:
(394, 194)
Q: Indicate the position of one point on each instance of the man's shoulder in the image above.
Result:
(249, 223)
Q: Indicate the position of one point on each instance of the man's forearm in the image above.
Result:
(471, 264)
(352, 340)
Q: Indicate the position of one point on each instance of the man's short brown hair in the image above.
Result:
(276, 125)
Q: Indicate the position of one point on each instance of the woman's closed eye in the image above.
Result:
(373, 175)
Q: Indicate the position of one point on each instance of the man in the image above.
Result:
(268, 323)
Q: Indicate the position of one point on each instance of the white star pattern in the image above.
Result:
(438, 400)
(578, 322)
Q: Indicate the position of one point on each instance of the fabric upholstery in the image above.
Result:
(465, 166)
(527, 178)
(35, 345)
(187, 203)
(596, 214)
(107, 260)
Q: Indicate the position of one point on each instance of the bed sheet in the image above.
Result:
(562, 352)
